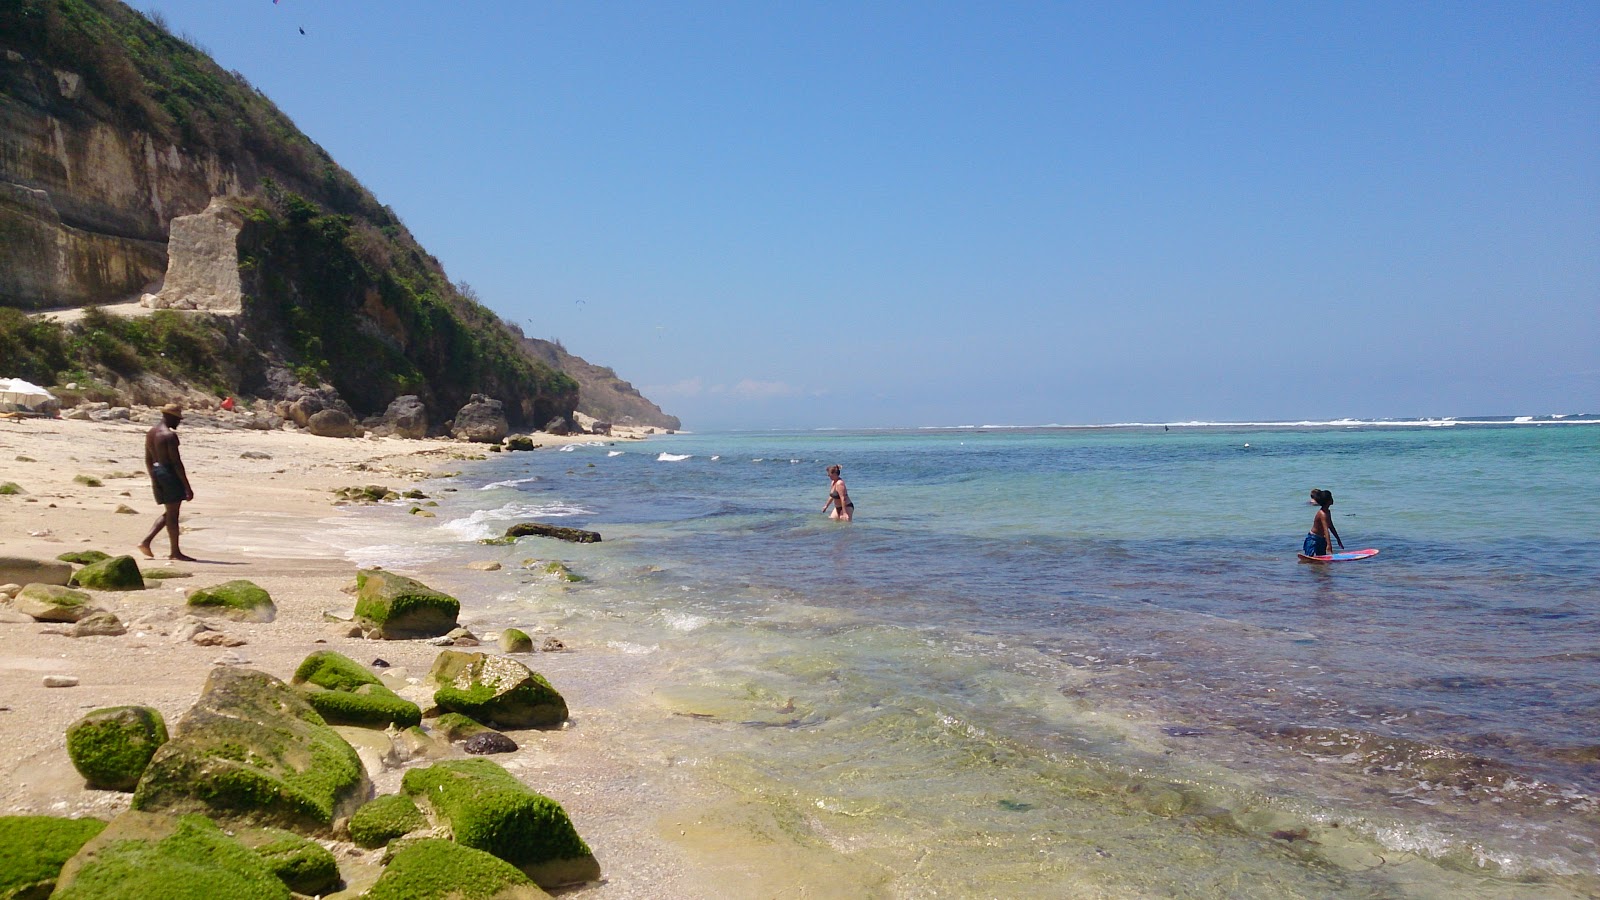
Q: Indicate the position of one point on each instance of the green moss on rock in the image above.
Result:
(240, 600)
(252, 749)
(84, 557)
(393, 606)
(384, 819)
(488, 809)
(111, 747)
(53, 603)
(346, 693)
(433, 869)
(34, 848)
(140, 856)
(496, 690)
(515, 640)
(456, 727)
(119, 573)
(303, 865)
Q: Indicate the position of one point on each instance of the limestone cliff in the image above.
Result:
(601, 393)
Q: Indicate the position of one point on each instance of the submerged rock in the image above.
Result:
(346, 693)
(111, 747)
(391, 606)
(495, 689)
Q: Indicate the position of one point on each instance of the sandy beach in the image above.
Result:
(259, 499)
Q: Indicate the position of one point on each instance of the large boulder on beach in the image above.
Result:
(385, 818)
(394, 607)
(53, 603)
(487, 808)
(253, 750)
(333, 423)
(303, 865)
(240, 600)
(435, 869)
(495, 689)
(23, 570)
(347, 693)
(34, 848)
(482, 420)
(406, 417)
(111, 747)
(119, 573)
(141, 856)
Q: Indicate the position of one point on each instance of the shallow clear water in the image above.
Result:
(1086, 660)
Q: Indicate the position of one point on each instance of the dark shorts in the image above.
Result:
(1315, 546)
(167, 485)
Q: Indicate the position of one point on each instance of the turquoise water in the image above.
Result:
(1086, 661)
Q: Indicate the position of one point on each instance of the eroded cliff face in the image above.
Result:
(84, 203)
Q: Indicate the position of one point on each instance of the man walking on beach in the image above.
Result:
(167, 478)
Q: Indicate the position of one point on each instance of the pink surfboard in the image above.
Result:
(1342, 556)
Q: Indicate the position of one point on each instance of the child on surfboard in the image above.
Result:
(1322, 525)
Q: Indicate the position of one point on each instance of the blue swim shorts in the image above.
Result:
(1315, 546)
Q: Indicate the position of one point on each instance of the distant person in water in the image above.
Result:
(167, 478)
(1322, 525)
(838, 505)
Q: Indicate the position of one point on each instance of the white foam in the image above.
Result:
(631, 648)
(569, 448)
(673, 457)
(614, 452)
(684, 622)
(480, 524)
(513, 482)
(394, 556)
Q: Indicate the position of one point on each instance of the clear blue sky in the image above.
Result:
(878, 214)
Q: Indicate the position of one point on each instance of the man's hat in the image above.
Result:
(172, 409)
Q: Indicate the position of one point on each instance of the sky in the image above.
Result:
(873, 214)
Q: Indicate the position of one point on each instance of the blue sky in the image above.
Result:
(889, 214)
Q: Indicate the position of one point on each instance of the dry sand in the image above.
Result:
(249, 519)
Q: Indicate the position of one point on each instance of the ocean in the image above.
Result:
(1071, 661)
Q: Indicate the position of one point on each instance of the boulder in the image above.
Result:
(141, 855)
(300, 410)
(557, 426)
(346, 693)
(515, 640)
(99, 623)
(203, 262)
(384, 819)
(241, 601)
(521, 442)
(576, 535)
(23, 570)
(392, 607)
(435, 869)
(303, 865)
(34, 848)
(332, 423)
(490, 742)
(253, 750)
(406, 417)
(482, 420)
(495, 689)
(53, 603)
(111, 747)
(487, 808)
(456, 728)
(119, 573)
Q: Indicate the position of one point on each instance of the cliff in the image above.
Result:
(601, 393)
(131, 164)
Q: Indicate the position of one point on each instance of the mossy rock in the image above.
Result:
(141, 856)
(84, 557)
(369, 493)
(242, 601)
(346, 693)
(384, 819)
(434, 869)
(253, 750)
(455, 727)
(53, 603)
(515, 640)
(10, 489)
(111, 747)
(119, 573)
(394, 607)
(151, 574)
(488, 809)
(560, 572)
(303, 865)
(34, 848)
(495, 690)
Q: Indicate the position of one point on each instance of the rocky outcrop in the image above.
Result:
(482, 420)
(332, 423)
(203, 262)
(601, 394)
(406, 417)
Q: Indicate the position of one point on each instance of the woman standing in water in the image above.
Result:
(1322, 525)
(838, 498)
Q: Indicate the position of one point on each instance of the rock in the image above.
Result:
(482, 420)
(492, 742)
(111, 747)
(557, 426)
(119, 573)
(456, 728)
(241, 601)
(141, 855)
(345, 693)
(303, 408)
(515, 640)
(203, 262)
(552, 645)
(461, 637)
(495, 689)
(394, 607)
(576, 535)
(84, 557)
(384, 819)
(10, 590)
(332, 423)
(53, 603)
(435, 869)
(60, 681)
(559, 571)
(414, 743)
(100, 623)
(406, 417)
(303, 865)
(34, 848)
(488, 809)
(190, 629)
(484, 565)
(22, 570)
(255, 454)
(521, 442)
(252, 749)
(125, 510)
(217, 639)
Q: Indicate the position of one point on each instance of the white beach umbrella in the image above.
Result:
(22, 393)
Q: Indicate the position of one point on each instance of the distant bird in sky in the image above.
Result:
(302, 31)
